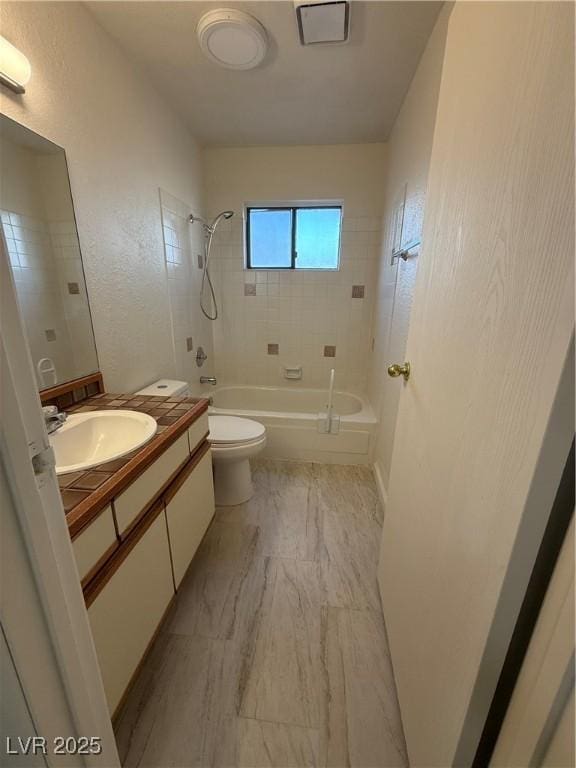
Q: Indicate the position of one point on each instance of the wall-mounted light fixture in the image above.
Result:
(15, 68)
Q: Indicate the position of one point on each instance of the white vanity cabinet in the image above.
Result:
(131, 504)
(189, 510)
(130, 593)
(95, 544)
(125, 614)
(198, 432)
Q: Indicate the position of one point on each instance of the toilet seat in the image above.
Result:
(230, 446)
(230, 431)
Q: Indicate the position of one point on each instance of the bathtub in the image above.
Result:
(292, 420)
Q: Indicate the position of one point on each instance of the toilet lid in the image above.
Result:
(233, 429)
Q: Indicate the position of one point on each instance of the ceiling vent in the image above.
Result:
(232, 38)
(322, 22)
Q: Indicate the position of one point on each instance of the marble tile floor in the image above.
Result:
(275, 651)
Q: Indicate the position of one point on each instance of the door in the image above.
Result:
(485, 422)
(406, 225)
(409, 151)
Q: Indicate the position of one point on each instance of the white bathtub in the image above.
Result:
(291, 417)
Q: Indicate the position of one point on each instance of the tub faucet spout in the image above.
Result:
(208, 380)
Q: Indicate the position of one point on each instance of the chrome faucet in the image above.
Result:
(53, 418)
(208, 380)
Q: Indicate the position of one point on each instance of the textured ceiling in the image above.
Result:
(299, 95)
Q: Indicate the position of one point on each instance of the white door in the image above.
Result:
(407, 215)
(486, 420)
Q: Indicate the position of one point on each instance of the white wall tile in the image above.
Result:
(182, 244)
(301, 311)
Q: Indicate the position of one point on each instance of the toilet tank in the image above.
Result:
(166, 388)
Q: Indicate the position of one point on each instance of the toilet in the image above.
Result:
(234, 441)
(166, 388)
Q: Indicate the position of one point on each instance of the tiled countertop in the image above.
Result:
(86, 493)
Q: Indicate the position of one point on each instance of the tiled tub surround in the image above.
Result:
(183, 245)
(303, 312)
(47, 267)
(292, 420)
(85, 494)
(275, 653)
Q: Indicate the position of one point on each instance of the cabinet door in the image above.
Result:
(189, 512)
(94, 544)
(198, 432)
(131, 503)
(125, 614)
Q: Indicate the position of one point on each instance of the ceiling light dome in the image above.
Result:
(233, 39)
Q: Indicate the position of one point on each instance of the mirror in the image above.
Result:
(38, 224)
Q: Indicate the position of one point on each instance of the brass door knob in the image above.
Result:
(399, 370)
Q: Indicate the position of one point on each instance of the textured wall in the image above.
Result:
(301, 312)
(122, 143)
(409, 151)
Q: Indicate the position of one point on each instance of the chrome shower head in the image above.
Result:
(209, 228)
(223, 215)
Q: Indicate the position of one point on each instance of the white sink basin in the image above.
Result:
(88, 439)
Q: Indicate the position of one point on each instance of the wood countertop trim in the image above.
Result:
(70, 386)
(84, 512)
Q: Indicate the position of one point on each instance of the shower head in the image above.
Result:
(210, 228)
(223, 215)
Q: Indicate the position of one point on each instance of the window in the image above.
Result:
(293, 237)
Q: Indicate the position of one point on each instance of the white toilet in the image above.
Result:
(234, 442)
(166, 388)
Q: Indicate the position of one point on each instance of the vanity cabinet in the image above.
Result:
(135, 535)
(125, 614)
(130, 505)
(161, 519)
(95, 544)
(189, 510)
(198, 431)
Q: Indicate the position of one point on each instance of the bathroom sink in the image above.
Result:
(88, 439)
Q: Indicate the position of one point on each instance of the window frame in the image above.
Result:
(293, 207)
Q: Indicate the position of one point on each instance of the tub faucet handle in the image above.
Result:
(208, 380)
